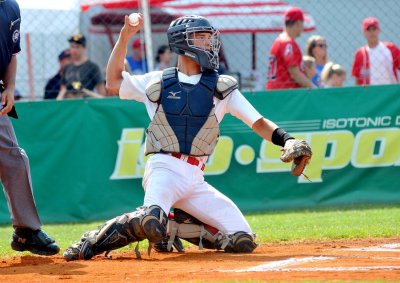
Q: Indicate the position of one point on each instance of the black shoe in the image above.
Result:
(36, 242)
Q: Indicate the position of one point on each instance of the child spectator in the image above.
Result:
(333, 75)
(309, 66)
(137, 62)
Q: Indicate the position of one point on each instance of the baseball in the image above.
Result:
(134, 19)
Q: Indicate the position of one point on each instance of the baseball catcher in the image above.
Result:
(185, 106)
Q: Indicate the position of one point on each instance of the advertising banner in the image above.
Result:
(87, 156)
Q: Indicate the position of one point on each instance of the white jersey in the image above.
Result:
(381, 65)
(133, 87)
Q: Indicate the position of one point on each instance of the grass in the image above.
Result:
(340, 223)
(322, 224)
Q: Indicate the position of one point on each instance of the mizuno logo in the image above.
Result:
(173, 95)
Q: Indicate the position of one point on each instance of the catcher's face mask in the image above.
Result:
(205, 40)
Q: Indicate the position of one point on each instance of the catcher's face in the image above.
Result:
(201, 40)
(206, 41)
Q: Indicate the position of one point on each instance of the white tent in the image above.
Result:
(236, 16)
(229, 16)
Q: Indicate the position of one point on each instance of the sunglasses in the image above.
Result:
(372, 28)
(322, 45)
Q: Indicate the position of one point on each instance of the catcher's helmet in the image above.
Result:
(181, 43)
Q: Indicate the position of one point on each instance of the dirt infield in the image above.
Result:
(367, 259)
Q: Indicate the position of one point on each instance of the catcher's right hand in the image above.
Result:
(299, 152)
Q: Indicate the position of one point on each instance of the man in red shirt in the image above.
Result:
(285, 70)
(377, 62)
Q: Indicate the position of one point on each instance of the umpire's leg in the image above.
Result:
(16, 179)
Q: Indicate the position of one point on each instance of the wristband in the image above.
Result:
(279, 137)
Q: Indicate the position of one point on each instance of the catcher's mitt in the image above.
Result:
(299, 152)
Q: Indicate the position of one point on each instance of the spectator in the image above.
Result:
(333, 75)
(377, 62)
(316, 47)
(223, 63)
(285, 70)
(17, 94)
(14, 164)
(54, 84)
(137, 62)
(163, 58)
(309, 66)
(82, 76)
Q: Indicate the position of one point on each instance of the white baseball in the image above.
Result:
(134, 19)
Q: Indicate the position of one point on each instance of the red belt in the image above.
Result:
(189, 159)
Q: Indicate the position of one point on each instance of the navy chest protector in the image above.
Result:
(185, 120)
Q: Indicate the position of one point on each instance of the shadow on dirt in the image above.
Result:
(48, 266)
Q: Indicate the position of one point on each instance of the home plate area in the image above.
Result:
(355, 260)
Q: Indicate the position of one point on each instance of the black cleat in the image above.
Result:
(37, 242)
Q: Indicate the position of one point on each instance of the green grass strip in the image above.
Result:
(321, 224)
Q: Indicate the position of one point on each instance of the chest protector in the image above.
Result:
(185, 120)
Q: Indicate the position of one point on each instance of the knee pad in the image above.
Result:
(240, 242)
(154, 223)
(189, 228)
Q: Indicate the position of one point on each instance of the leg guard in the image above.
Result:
(114, 234)
(194, 231)
(117, 233)
(189, 228)
(240, 242)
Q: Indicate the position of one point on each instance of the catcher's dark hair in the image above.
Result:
(279, 137)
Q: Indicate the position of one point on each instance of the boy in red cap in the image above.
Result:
(137, 63)
(285, 68)
(377, 62)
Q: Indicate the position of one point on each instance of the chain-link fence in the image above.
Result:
(248, 29)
